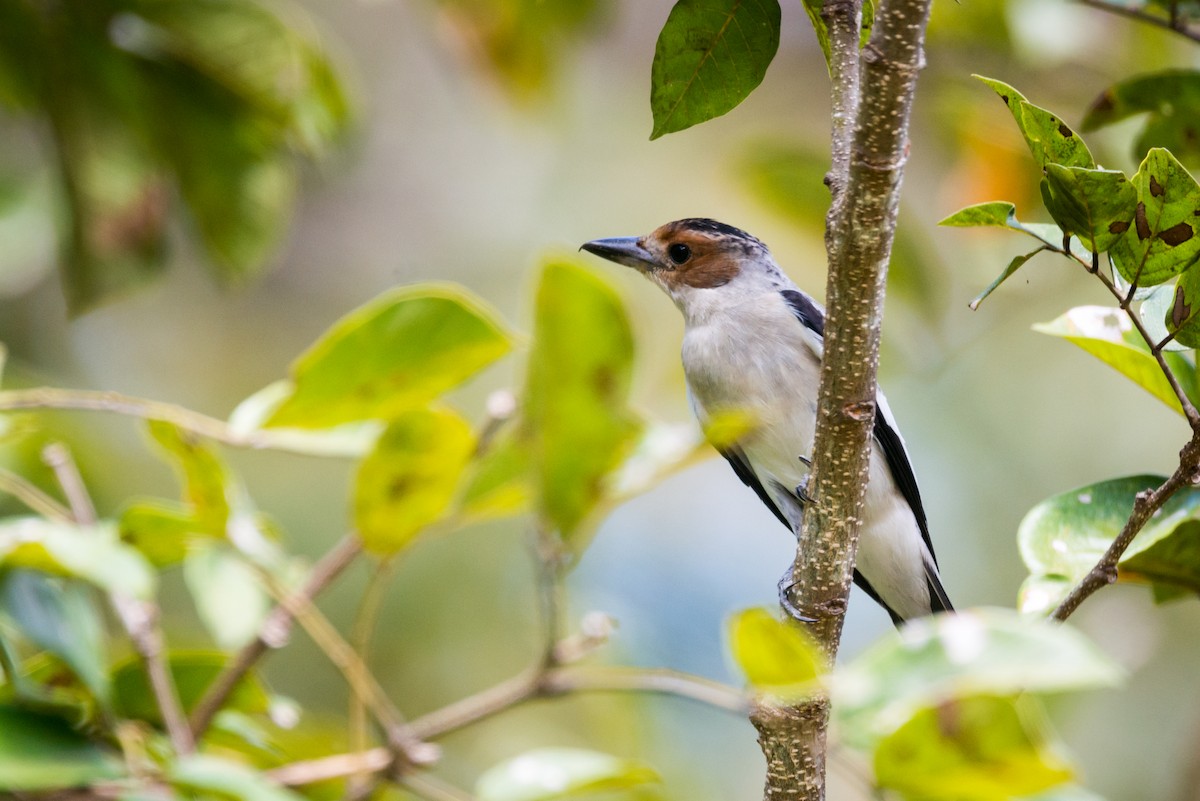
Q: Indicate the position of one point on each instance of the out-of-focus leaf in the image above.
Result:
(399, 351)
(409, 480)
(42, 752)
(777, 657)
(788, 179)
(662, 450)
(1095, 205)
(1049, 138)
(91, 553)
(228, 594)
(977, 652)
(203, 475)
(1172, 101)
(1108, 334)
(1163, 241)
(210, 776)
(351, 440)
(62, 619)
(978, 748)
(1065, 535)
(498, 483)
(577, 420)
(709, 57)
(193, 672)
(161, 531)
(1065, 792)
(546, 774)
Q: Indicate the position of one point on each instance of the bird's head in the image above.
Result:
(687, 256)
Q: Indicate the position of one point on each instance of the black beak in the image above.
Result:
(623, 250)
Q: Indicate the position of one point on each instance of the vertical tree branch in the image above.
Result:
(860, 230)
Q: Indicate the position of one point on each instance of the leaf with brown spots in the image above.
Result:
(1163, 243)
(1094, 205)
(1183, 316)
(1171, 101)
(1050, 140)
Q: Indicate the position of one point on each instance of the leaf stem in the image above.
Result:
(1173, 22)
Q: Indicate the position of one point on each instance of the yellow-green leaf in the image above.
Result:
(778, 657)
(408, 481)
(203, 474)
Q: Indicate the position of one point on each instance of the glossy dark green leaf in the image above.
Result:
(577, 421)
(778, 657)
(213, 776)
(42, 752)
(975, 748)
(410, 479)
(61, 618)
(1171, 101)
(710, 55)
(90, 553)
(937, 659)
(397, 352)
(548, 774)
(1095, 205)
(1108, 334)
(1050, 140)
(193, 672)
(1065, 535)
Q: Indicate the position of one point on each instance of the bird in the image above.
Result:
(752, 344)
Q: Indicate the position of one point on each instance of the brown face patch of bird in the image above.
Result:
(694, 255)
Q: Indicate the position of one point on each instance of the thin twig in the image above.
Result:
(1174, 24)
(662, 681)
(360, 641)
(273, 633)
(337, 766)
(32, 496)
(138, 617)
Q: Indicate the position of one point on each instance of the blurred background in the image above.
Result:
(469, 138)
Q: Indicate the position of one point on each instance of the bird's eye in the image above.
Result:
(679, 253)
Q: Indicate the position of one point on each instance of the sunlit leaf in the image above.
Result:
(546, 774)
(91, 553)
(41, 752)
(1065, 535)
(1108, 334)
(977, 652)
(576, 420)
(1171, 99)
(350, 440)
(1001, 214)
(193, 672)
(409, 480)
(778, 657)
(1050, 140)
(1162, 242)
(1095, 205)
(977, 748)
(214, 776)
(61, 618)
(228, 594)
(710, 55)
(399, 351)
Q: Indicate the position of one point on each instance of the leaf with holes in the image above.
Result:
(1162, 242)
(1095, 205)
(1050, 140)
(1062, 537)
(710, 55)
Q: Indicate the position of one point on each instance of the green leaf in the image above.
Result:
(62, 619)
(41, 752)
(212, 775)
(1050, 140)
(978, 748)
(1183, 315)
(1108, 334)
(1171, 99)
(228, 594)
(1062, 537)
(1004, 215)
(497, 483)
(710, 55)
(1157, 310)
(546, 774)
(409, 480)
(193, 672)
(91, 553)
(161, 531)
(397, 352)
(1013, 266)
(977, 652)
(202, 473)
(1162, 242)
(577, 421)
(1095, 205)
(778, 657)
(350, 440)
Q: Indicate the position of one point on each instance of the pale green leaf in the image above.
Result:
(1158, 309)
(1050, 140)
(546, 774)
(213, 775)
(778, 657)
(1162, 242)
(228, 594)
(397, 352)
(710, 55)
(409, 480)
(40, 752)
(91, 553)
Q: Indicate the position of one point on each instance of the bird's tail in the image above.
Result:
(939, 601)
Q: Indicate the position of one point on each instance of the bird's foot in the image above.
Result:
(802, 492)
(785, 586)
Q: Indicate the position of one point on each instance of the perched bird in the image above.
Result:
(753, 343)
